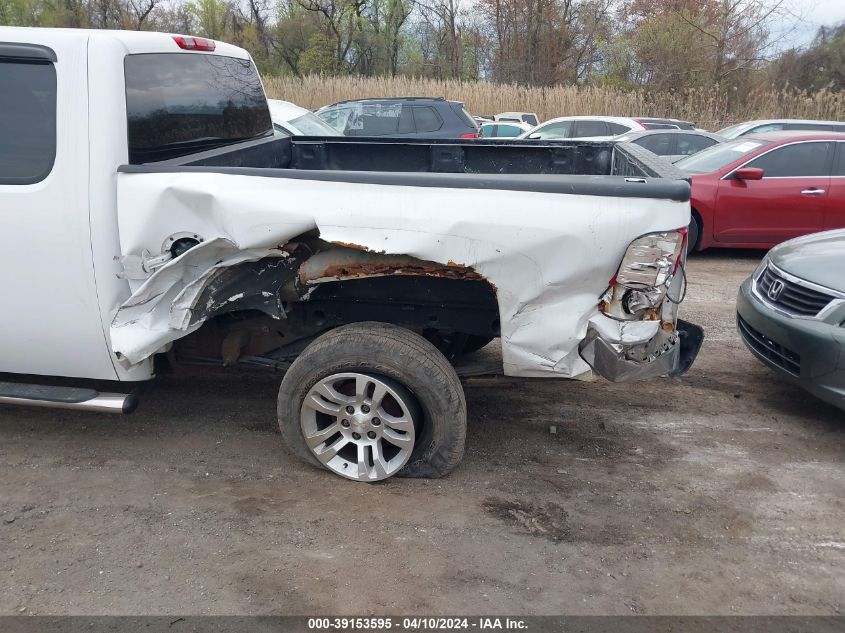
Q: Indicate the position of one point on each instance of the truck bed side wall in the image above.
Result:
(548, 249)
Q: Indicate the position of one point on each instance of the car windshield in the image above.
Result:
(733, 130)
(716, 157)
(312, 125)
(334, 116)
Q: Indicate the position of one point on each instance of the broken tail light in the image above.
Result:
(639, 287)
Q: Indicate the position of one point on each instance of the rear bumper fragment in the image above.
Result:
(666, 353)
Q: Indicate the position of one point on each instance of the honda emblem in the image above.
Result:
(775, 289)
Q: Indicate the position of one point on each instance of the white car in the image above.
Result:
(148, 210)
(597, 128)
(777, 125)
(503, 129)
(529, 118)
(291, 120)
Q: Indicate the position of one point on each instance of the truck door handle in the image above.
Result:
(813, 192)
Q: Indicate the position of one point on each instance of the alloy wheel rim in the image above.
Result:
(359, 426)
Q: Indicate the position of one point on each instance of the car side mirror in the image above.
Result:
(535, 135)
(748, 173)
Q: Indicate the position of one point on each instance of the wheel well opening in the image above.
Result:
(452, 306)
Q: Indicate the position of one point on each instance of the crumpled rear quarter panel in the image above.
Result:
(548, 255)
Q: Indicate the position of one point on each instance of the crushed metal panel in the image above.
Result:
(549, 255)
(161, 310)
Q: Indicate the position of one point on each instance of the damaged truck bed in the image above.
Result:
(154, 215)
(540, 227)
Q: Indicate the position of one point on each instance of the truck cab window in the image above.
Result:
(182, 103)
(27, 121)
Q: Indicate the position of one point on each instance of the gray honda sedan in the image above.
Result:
(791, 313)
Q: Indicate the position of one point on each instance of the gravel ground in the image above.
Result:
(719, 493)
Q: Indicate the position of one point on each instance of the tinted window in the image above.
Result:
(530, 119)
(839, 170)
(590, 128)
(554, 130)
(798, 160)
(488, 131)
(660, 144)
(839, 167)
(27, 121)
(426, 119)
(616, 128)
(179, 103)
(689, 144)
(509, 131)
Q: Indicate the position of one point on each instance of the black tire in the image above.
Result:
(392, 352)
(693, 233)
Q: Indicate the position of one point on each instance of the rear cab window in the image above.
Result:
(181, 103)
(27, 114)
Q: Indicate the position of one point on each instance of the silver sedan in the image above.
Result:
(673, 144)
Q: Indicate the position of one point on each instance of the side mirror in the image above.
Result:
(535, 135)
(748, 173)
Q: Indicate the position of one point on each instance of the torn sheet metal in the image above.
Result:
(344, 262)
(549, 255)
(161, 309)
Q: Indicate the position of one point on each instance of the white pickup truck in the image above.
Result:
(148, 213)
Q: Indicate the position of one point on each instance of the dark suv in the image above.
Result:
(421, 117)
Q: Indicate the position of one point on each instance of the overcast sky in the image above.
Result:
(816, 13)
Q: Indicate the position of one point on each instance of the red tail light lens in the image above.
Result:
(190, 43)
(471, 135)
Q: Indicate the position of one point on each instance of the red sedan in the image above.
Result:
(762, 189)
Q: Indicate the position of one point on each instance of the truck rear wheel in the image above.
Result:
(372, 400)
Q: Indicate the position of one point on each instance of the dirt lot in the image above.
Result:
(721, 493)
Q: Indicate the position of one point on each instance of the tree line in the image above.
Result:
(661, 45)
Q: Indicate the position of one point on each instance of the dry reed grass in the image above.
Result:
(707, 108)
